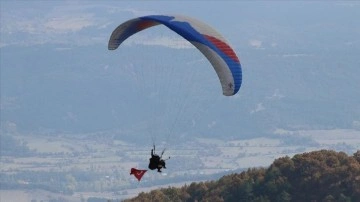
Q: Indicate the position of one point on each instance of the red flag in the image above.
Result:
(137, 173)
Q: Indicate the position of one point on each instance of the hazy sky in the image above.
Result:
(253, 23)
(293, 33)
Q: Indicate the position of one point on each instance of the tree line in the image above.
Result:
(316, 176)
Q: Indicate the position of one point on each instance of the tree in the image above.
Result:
(284, 196)
(357, 155)
(315, 176)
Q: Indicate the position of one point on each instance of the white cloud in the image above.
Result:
(290, 55)
(10, 127)
(281, 131)
(70, 116)
(133, 11)
(193, 123)
(177, 43)
(56, 25)
(352, 43)
(356, 124)
(137, 12)
(60, 24)
(63, 49)
(348, 4)
(276, 95)
(296, 55)
(201, 60)
(105, 25)
(212, 124)
(12, 24)
(255, 43)
(68, 23)
(9, 103)
(259, 107)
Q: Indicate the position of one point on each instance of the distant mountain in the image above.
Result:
(56, 88)
(316, 176)
(299, 71)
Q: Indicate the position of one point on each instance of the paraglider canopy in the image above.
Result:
(213, 46)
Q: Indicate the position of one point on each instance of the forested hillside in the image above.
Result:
(315, 176)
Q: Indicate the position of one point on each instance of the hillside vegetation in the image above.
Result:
(323, 175)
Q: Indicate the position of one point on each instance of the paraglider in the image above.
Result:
(156, 161)
(211, 44)
(205, 38)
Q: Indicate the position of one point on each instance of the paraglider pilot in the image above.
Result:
(156, 162)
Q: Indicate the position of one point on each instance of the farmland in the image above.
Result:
(81, 166)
